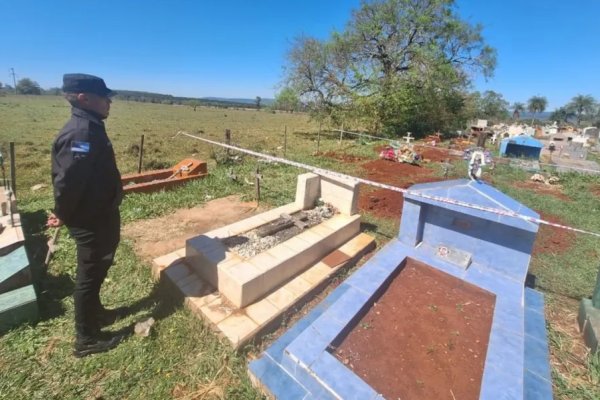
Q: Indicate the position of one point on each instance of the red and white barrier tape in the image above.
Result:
(333, 174)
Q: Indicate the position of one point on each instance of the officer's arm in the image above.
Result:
(75, 156)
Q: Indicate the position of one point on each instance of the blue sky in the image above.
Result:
(237, 48)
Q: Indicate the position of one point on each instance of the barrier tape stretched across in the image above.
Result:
(333, 174)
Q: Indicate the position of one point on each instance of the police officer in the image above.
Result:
(87, 195)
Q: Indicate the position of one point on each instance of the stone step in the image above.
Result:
(243, 325)
(18, 306)
(14, 270)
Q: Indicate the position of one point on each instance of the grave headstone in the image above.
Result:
(589, 318)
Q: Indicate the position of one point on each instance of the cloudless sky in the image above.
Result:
(237, 48)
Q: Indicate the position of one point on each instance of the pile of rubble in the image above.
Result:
(552, 180)
(268, 236)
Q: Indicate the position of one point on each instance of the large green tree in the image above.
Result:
(287, 100)
(493, 106)
(582, 105)
(398, 64)
(562, 115)
(27, 86)
(536, 104)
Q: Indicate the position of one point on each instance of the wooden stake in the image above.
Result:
(257, 177)
(13, 173)
(51, 247)
(141, 154)
(341, 134)
(319, 138)
(285, 142)
(228, 141)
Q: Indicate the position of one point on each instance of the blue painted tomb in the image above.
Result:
(487, 250)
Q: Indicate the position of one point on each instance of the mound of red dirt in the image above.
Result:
(552, 240)
(394, 173)
(347, 158)
(381, 203)
(435, 155)
(387, 203)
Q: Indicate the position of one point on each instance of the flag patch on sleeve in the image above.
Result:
(80, 147)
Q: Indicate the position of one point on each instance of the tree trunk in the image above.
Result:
(481, 139)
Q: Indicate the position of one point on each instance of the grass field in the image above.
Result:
(182, 358)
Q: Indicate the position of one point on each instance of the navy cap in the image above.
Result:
(84, 83)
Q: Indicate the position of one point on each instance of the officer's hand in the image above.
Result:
(54, 221)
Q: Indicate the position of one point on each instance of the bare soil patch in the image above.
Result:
(394, 173)
(426, 337)
(347, 158)
(435, 155)
(382, 203)
(155, 237)
(386, 203)
(595, 190)
(552, 240)
(542, 188)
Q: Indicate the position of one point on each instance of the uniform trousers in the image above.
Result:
(96, 247)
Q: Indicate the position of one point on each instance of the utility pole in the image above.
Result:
(12, 72)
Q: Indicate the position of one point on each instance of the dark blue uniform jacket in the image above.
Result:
(87, 183)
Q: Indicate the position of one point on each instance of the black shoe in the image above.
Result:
(108, 317)
(87, 347)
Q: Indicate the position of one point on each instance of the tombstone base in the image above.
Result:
(18, 306)
(589, 324)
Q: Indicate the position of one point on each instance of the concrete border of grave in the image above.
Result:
(254, 293)
(484, 249)
(183, 172)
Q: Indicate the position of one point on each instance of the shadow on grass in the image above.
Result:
(159, 301)
(368, 227)
(52, 289)
(158, 304)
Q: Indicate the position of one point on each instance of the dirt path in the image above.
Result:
(155, 237)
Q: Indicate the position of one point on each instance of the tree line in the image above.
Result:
(397, 66)
(407, 65)
(581, 110)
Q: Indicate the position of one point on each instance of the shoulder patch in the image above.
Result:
(80, 147)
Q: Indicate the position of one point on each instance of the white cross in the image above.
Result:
(408, 138)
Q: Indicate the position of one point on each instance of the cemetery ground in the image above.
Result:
(182, 358)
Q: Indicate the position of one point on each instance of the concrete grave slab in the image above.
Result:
(249, 295)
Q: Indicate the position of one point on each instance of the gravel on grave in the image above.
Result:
(250, 244)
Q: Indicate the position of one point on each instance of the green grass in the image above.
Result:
(571, 273)
(183, 358)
